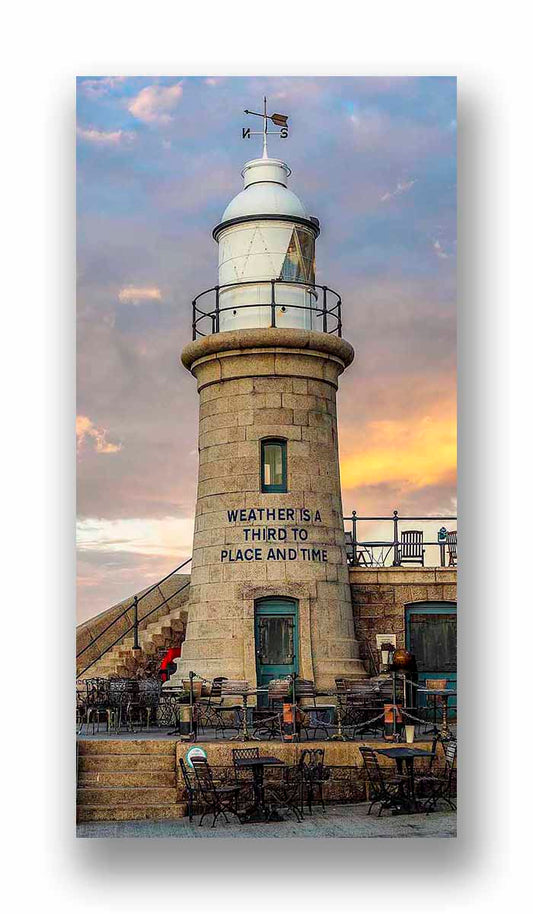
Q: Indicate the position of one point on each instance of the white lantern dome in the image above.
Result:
(266, 236)
(265, 191)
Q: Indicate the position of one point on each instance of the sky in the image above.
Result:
(158, 160)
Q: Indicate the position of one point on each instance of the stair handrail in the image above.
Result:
(135, 602)
(132, 626)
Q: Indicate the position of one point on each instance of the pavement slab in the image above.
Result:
(336, 822)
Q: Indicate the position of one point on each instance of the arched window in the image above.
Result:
(273, 465)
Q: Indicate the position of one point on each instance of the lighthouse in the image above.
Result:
(269, 587)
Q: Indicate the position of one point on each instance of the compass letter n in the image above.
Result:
(246, 133)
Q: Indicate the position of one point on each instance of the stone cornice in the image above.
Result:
(270, 339)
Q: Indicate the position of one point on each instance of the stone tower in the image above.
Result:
(269, 591)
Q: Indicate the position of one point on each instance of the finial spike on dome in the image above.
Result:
(265, 128)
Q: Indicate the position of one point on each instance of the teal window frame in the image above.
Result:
(282, 487)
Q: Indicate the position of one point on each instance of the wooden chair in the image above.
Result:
(411, 548)
(354, 556)
(451, 541)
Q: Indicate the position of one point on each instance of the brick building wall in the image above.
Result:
(379, 597)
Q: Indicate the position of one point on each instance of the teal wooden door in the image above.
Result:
(276, 639)
(431, 635)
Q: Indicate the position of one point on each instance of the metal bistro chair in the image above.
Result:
(81, 704)
(451, 542)
(360, 703)
(440, 786)
(244, 776)
(230, 688)
(267, 721)
(288, 792)
(411, 548)
(314, 718)
(190, 790)
(209, 707)
(218, 800)
(314, 775)
(385, 792)
(98, 702)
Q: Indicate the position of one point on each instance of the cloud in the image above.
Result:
(401, 188)
(439, 251)
(100, 85)
(412, 452)
(134, 295)
(87, 433)
(105, 138)
(150, 536)
(213, 80)
(155, 104)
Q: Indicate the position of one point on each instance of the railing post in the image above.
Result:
(135, 623)
(442, 536)
(355, 560)
(324, 308)
(194, 318)
(396, 560)
(217, 309)
(272, 303)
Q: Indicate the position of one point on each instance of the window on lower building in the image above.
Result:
(273, 465)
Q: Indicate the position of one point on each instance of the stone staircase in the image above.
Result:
(127, 779)
(166, 630)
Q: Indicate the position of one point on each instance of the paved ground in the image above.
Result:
(336, 822)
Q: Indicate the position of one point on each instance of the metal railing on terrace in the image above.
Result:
(401, 540)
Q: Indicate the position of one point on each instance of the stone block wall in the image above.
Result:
(253, 385)
(379, 597)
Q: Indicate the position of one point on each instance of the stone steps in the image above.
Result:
(127, 779)
(121, 778)
(154, 636)
(103, 763)
(126, 796)
(128, 813)
(126, 747)
(158, 635)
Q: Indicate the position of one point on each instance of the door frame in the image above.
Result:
(266, 606)
(431, 607)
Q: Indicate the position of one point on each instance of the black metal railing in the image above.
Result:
(403, 546)
(137, 620)
(326, 311)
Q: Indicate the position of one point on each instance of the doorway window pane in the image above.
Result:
(276, 640)
(273, 466)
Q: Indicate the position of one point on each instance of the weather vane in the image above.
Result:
(280, 120)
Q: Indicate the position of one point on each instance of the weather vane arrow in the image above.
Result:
(280, 120)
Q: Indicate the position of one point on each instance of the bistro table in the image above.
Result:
(260, 812)
(401, 755)
(445, 695)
